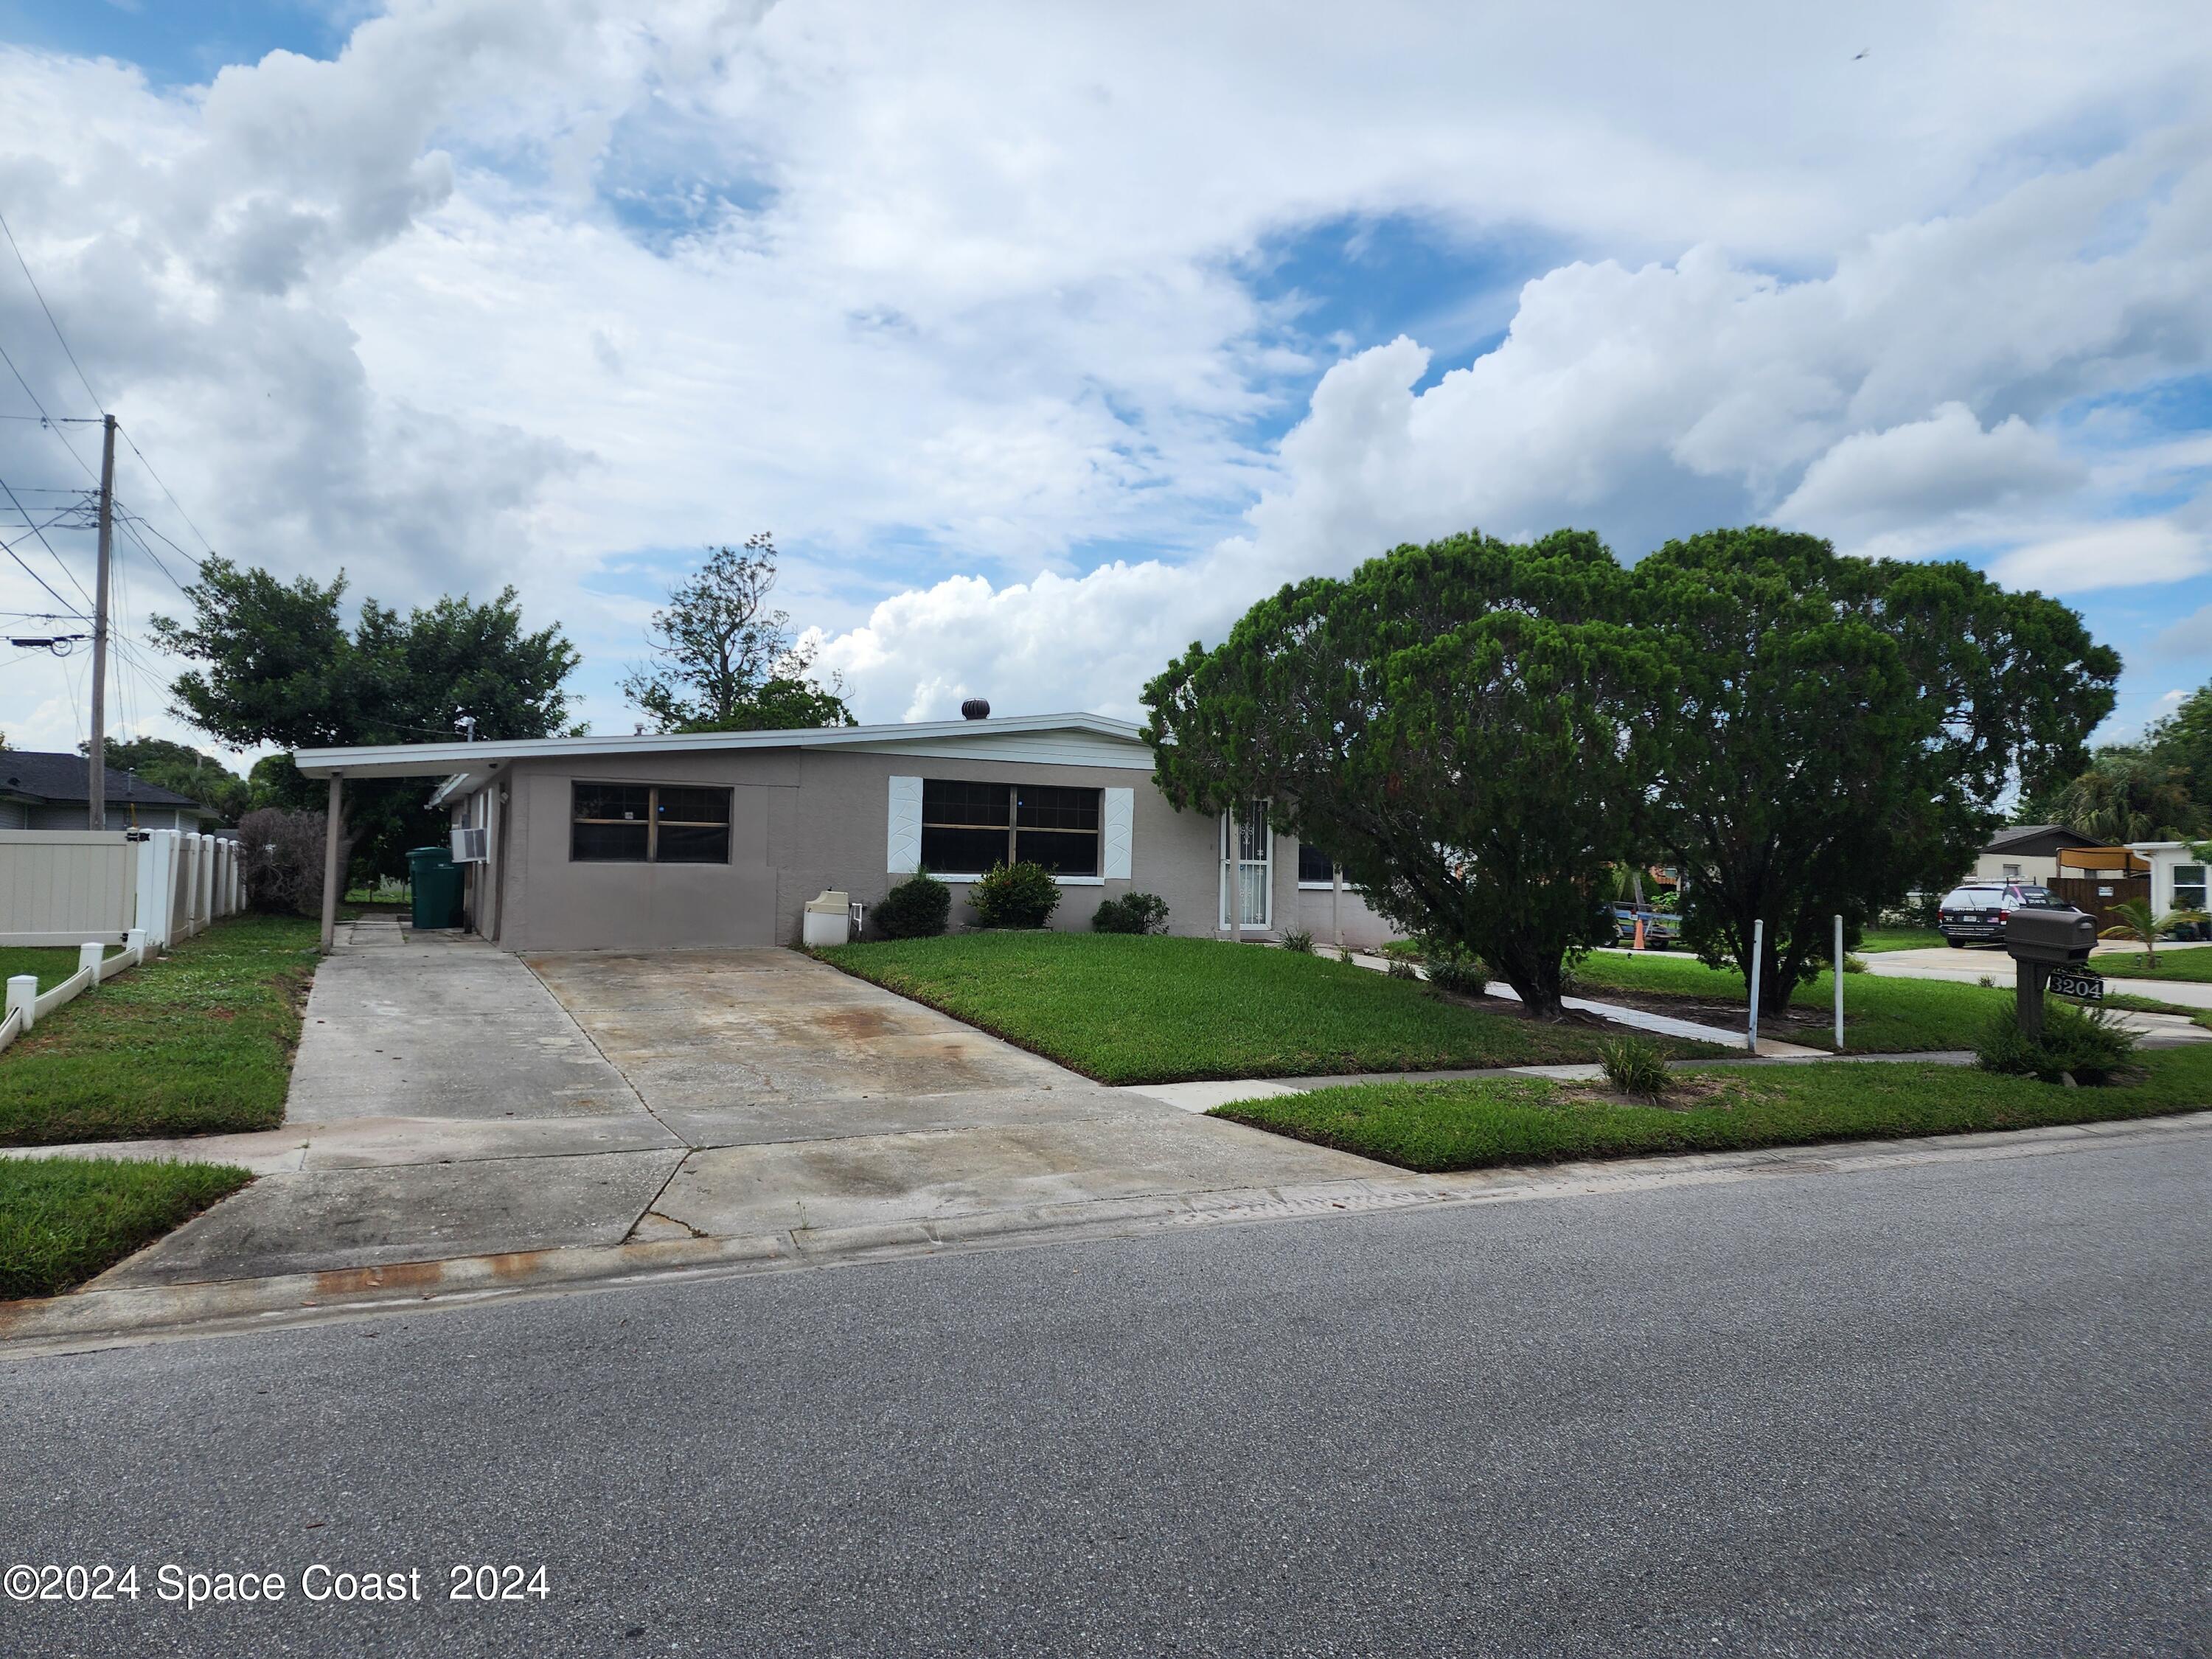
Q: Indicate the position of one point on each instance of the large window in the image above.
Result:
(2189, 887)
(966, 828)
(648, 823)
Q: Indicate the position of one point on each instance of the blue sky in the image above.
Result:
(1044, 350)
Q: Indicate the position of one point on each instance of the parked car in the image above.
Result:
(1975, 913)
(1660, 931)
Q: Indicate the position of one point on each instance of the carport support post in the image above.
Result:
(2028, 979)
(331, 862)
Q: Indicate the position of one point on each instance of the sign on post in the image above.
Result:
(2078, 983)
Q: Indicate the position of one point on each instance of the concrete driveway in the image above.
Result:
(449, 1101)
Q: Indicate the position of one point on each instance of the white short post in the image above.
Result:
(91, 954)
(1758, 954)
(134, 943)
(23, 994)
(1839, 985)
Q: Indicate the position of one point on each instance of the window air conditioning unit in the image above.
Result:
(469, 846)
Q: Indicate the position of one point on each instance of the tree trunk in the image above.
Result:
(1535, 980)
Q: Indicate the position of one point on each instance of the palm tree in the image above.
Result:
(2137, 922)
(2127, 795)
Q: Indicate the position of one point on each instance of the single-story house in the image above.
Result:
(53, 792)
(2026, 852)
(719, 839)
(2177, 876)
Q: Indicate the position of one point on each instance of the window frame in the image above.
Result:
(653, 821)
(1012, 790)
(2202, 886)
(1327, 883)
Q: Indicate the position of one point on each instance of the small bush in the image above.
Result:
(1854, 964)
(1459, 972)
(918, 908)
(1299, 940)
(2088, 1046)
(281, 855)
(1401, 968)
(1022, 894)
(1132, 912)
(1634, 1066)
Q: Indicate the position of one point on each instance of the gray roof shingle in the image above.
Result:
(64, 778)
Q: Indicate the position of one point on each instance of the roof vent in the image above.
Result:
(976, 709)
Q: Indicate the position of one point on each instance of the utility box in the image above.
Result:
(2055, 938)
(829, 920)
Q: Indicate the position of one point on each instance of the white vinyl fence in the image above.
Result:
(27, 1005)
(66, 886)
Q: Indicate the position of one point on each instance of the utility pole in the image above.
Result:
(95, 761)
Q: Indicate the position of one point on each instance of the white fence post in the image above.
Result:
(24, 998)
(90, 954)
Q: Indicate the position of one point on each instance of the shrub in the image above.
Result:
(1132, 912)
(1633, 1066)
(1299, 940)
(1459, 972)
(1854, 964)
(1022, 894)
(1401, 968)
(281, 855)
(2087, 1047)
(918, 908)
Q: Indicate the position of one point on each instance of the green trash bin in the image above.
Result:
(436, 880)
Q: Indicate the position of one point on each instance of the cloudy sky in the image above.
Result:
(1046, 338)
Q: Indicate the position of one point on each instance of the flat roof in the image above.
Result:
(449, 759)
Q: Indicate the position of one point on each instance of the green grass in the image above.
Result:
(197, 1042)
(52, 966)
(2194, 966)
(64, 1219)
(1126, 1009)
(1898, 938)
(1882, 1016)
(1436, 1127)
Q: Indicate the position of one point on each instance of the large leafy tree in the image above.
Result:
(184, 769)
(278, 666)
(2183, 741)
(1446, 722)
(723, 661)
(1833, 732)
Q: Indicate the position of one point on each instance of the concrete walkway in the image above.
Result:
(449, 1101)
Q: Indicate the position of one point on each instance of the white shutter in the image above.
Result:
(904, 850)
(1120, 816)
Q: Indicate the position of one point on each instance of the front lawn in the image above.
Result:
(2194, 966)
(1437, 1127)
(64, 1219)
(196, 1043)
(1898, 938)
(1130, 1009)
(1881, 1014)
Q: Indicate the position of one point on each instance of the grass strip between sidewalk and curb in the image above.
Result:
(2188, 967)
(1125, 1008)
(198, 1042)
(64, 1220)
(1434, 1128)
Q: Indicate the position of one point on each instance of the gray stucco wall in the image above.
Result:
(118, 817)
(806, 820)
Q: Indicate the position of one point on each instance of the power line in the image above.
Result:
(50, 323)
(49, 546)
(173, 501)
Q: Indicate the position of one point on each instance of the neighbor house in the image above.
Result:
(2026, 852)
(53, 792)
(721, 838)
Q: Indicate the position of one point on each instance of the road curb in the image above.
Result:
(90, 1319)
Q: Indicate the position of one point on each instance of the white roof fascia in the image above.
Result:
(446, 760)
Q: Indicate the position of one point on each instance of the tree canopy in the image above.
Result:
(1482, 733)
(723, 661)
(184, 769)
(1833, 732)
(278, 666)
(1447, 722)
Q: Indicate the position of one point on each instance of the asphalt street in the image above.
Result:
(1957, 1408)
